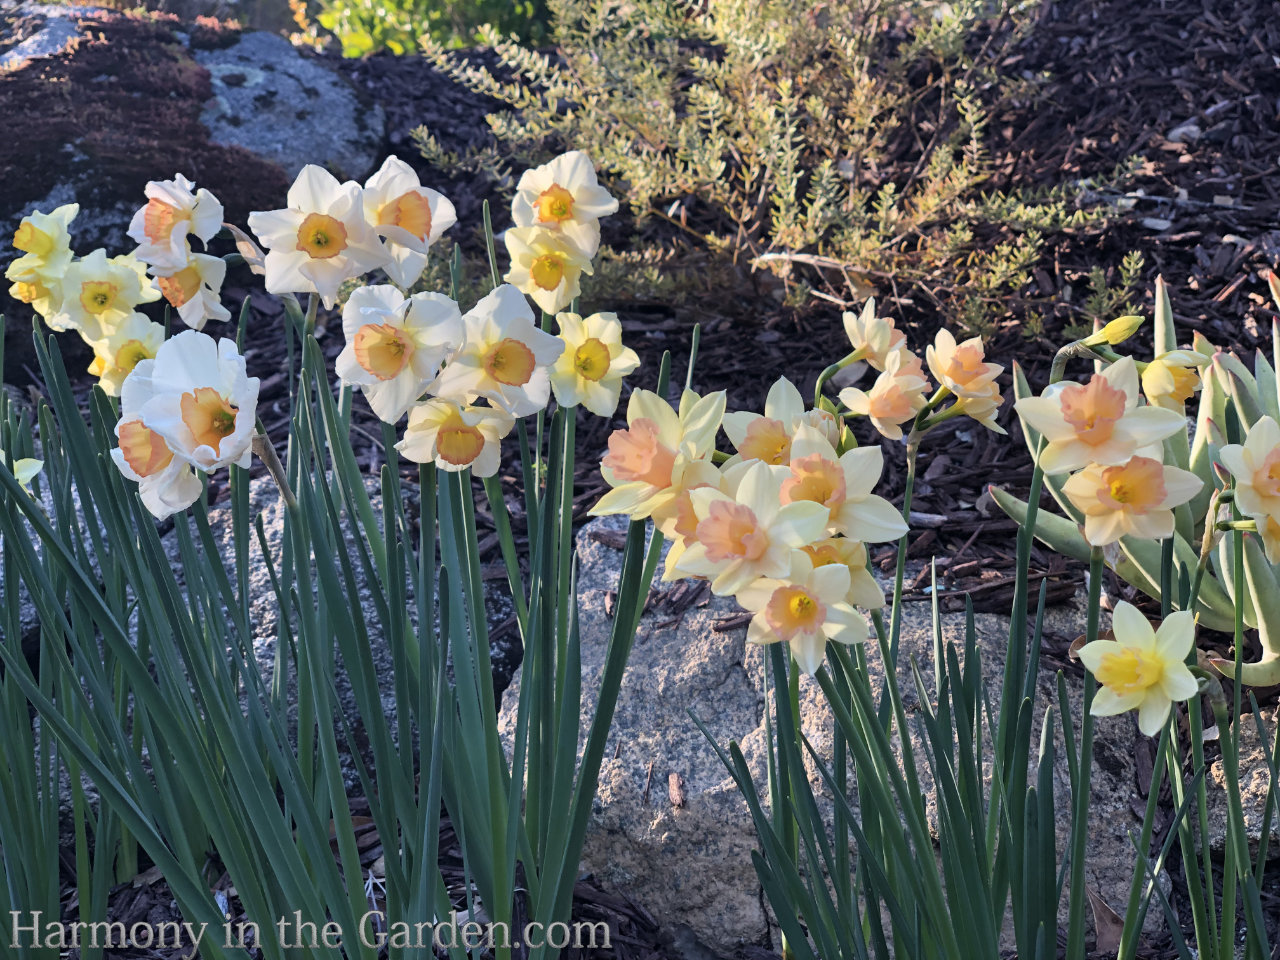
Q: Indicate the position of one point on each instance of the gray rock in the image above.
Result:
(1255, 781)
(293, 110)
(53, 37)
(690, 865)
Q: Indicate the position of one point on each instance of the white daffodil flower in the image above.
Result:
(564, 195)
(395, 345)
(167, 484)
(173, 212)
(407, 216)
(503, 357)
(454, 436)
(590, 370)
(194, 291)
(320, 239)
(98, 293)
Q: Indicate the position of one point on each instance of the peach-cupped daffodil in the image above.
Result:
(590, 370)
(395, 346)
(1255, 465)
(194, 290)
(896, 396)
(455, 437)
(804, 610)
(768, 437)
(751, 534)
(196, 395)
(648, 463)
(407, 216)
(873, 338)
(1173, 378)
(962, 368)
(1096, 422)
(173, 213)
(166, 484)
(98, 293)
(547, 265)
(503, 356)
(320, 239)
(864, 591)
(1133, 499)
(563, 195)
(1142, 668)
(135, 338)
(44, 240)
(676, 519)
(843, 484)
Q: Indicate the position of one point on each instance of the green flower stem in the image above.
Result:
(832, 370)
(1135, 912)
(1080, 799)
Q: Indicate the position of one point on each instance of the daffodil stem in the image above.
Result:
(266, 452)
(832, 370)
(1080, 798)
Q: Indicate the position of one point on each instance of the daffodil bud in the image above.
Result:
(1116, 332)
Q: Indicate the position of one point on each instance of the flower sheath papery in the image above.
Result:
(407, 216)
(547, 265)
(563, 195)
(843, 484)
(196, 395)
(590, 370)
(768, 437)
(1142, 668)
(320, 239)
(503, 357)
(1255, 465)
(1096, 422)
(648, 463)
(454, 436)
(1134, 499)
(395, 346)
(749, 535)
(804, 610)
(194, 291)
(99, 292)
(136, 338)
(172, 213)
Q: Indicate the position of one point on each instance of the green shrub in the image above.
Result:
(367, 26)
(839, 145)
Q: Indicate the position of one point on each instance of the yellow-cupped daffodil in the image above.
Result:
(454, 436)
(547, 265)
(590, 370)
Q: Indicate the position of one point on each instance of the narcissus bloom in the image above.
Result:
(194, 290)
(1142, 669)
(395, 346)
(197, 396)
(590, 370)
(962, 367)
(648, 462)
(167, 484)
(408, 216)
(864, 591)
(546, 265)
(896, 397)
(1173, 378)
(874, 338)
(320, 239)
(503, 356)
(25, 470)
(563, 195)
(768, 437)
(1255, 465)
(45, 242)
(843, 485)
(805, 610)
(134, 339)
(1269, 532)
(1096, 422)
(751, 534)
(44, 294)
(1134, 499)
(173, 212)
(676, 519)
(455, 437)
(98, 293)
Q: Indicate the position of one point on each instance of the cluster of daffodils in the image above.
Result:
(900, 393)
(187, 404)
(782, 524)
